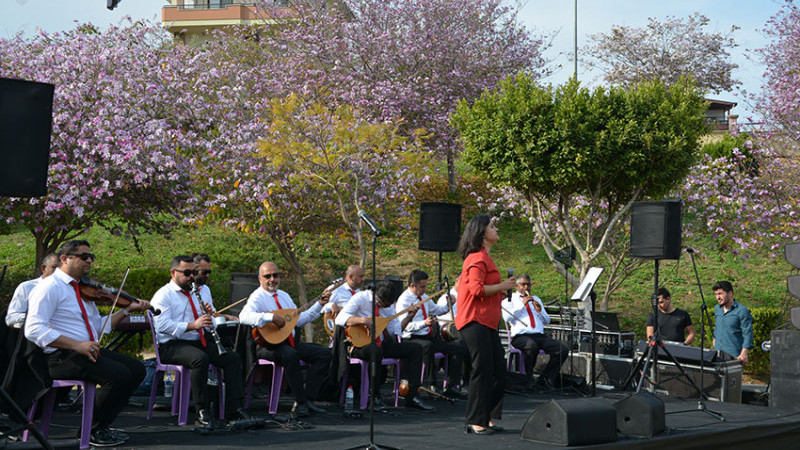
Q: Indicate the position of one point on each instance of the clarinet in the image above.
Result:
(213, 330)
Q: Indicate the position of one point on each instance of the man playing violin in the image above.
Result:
(68, 329)
(422, 328)
(18, 306)
(181, 340)
(258, 311)
(526, 316)
(358, 311)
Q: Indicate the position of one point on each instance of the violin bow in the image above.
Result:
(111, 311)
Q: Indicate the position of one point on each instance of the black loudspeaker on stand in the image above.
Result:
(439, 228)
(26, 120)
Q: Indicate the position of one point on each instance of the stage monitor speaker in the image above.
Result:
(656, 230)
(641, 415)
(575, 421)
(784, 358)
(26, 120)
(242, 285)
(439, 226)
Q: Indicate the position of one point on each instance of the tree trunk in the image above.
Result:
(451, 172)
(302, 288)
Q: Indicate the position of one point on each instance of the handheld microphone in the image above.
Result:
(363, 215)
(510, 275)
(690, 249)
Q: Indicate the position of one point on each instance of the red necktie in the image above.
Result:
(194, 311)
(377, 338)
(530, 314)
(352, 292)
(83, 309)
(291, 335)
(424, 314)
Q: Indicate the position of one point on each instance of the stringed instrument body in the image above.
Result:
(272, 334)
(359, 334)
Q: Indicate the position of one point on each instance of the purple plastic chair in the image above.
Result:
(182, 392)
(436, 357)
(364, 393)
(514, 352)
(89, 390)
(275, 389)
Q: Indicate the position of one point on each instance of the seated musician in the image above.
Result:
(358, 312)
(258, 311)
(448, 321)
(354, 279)
(182, 340)
(526, 317)
(674, 324)
(423, 329)
(202, 272)
(68, 329)
(18, 306)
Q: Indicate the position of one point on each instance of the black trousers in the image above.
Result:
(118, 376)
(454, 352)
(530, 344)
(317, 356)
(488, 377)
(193, 355)
(409, 354)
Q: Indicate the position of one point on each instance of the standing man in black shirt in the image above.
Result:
(674, 324)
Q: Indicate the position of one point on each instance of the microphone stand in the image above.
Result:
(373, 364)
(701, 405)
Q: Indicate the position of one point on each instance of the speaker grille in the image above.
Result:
(439, 226)
(656, 230)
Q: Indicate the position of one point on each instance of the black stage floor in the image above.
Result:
(745, 426)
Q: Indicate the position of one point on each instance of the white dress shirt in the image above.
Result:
(360, 305)
(518, 319)
(18, 306)
(53, 311)
(416, 326)
(339, 296)
(257, 310)
(176, 314)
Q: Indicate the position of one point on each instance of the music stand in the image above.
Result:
(584, 291)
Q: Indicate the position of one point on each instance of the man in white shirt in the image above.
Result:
(201, 273)
(68, 329)
(422, 328)
(358, 312)
(354, 279)
(182, 340)
(527, 316)
(258, 311)
(18, 306)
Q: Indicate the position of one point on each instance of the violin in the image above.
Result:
(404, 389)
(93, 291)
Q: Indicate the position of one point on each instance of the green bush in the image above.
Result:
(764, 321)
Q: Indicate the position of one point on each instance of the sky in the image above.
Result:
(543, 16)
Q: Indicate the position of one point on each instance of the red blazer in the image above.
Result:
(473, 304)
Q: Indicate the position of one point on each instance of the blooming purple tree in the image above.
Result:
(409, 60)
(666, 50)
(118, 127)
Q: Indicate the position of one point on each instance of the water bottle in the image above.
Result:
(169, 381)
(349, 398)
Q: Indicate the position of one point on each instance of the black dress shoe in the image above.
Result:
(240, 414)
(417, 403)
(103, 437)
(379, 404)
(470, 429)
(314, 408)
(204, 418)
(496, 428)
(300, 410)
(455, 393)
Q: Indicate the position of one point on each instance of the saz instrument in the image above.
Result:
(271, 334)
(449, 331)
(329, 322)
(359, 334)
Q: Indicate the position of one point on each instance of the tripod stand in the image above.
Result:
(649, 359)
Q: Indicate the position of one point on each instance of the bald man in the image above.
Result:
(259, 311)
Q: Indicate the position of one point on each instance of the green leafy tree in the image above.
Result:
(580, 158)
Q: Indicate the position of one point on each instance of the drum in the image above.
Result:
(450, 332)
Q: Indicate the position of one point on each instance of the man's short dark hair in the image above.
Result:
(724, 285)
(416, 276)
(663, 292)
(176, 261)
(51, 259)
(199, 257)
(70, 247)
(384, 292)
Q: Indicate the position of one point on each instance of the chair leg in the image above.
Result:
(89, 391)
(221, 391)
(365, 388)
(185, 395)
(153, 390)
(275, 392)
(397, 384)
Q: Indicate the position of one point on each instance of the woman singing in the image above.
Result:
(480, 291)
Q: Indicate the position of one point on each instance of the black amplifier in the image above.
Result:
(615, 343)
